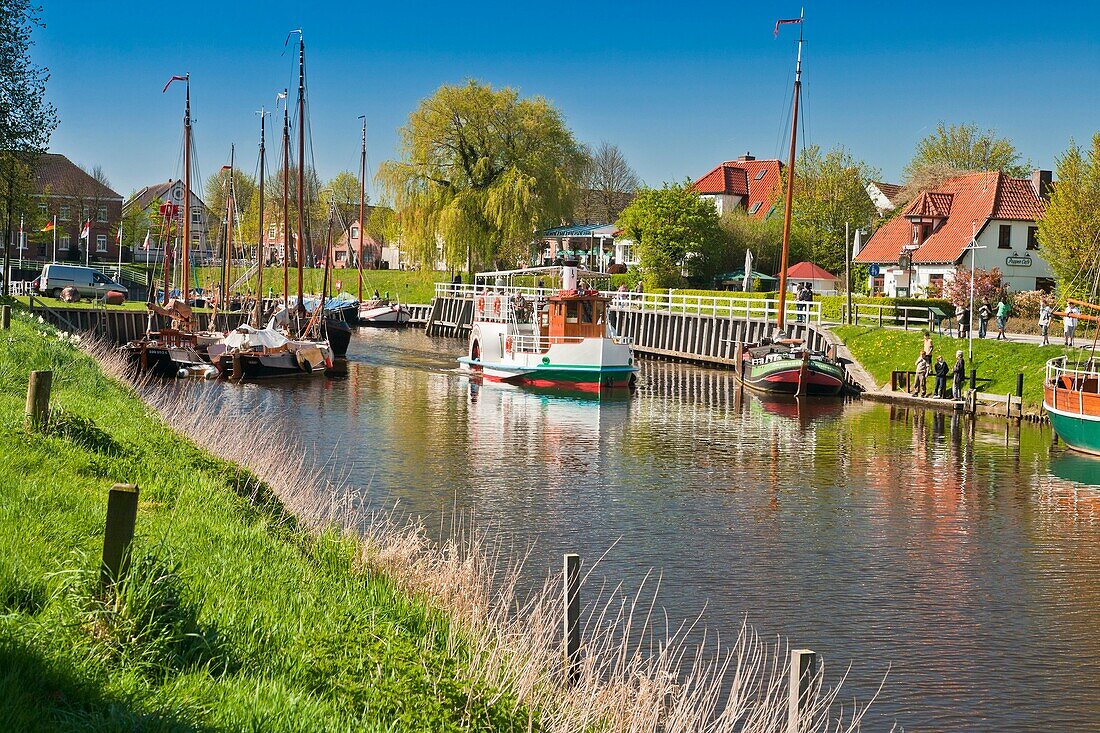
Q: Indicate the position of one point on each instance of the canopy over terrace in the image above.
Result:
(591, 244)
(737, 278)
(549, 276)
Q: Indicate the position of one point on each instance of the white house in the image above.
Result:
(884, 196)
(745, 183)
(935, 230)
(821, 280)
(171, 192)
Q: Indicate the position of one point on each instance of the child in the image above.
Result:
(941, 370)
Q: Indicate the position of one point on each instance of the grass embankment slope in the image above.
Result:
(411, 286)
(233, 618)
(881, 351)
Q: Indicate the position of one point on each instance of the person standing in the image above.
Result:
(1003, 311)
(920, 387)
(958, 374)
(984, 314)
(941, 371)
(1069, 323)
(927, 348)
(1045, 313)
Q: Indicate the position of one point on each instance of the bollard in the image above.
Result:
(38, 399)
(799, 700)
(973, 379)
(571, 631)
(5, 317)
(118, 533)
(1020, 384)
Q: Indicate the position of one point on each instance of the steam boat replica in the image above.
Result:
(1071, 394)
(547, 338)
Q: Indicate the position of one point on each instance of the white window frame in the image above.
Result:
(355, 232)
(65, 213)
(101, 214)
(64, 242)
(101, 243)
(196, 218)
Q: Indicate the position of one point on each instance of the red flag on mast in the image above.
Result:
(174, 78)
(785, 21)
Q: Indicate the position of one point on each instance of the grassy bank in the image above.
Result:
(411, 286)
(881, 351)
(235, 618)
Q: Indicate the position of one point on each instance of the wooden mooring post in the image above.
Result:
(571, 631)
(800, 696)
(118, 533)
(38, 399)
(5, 317)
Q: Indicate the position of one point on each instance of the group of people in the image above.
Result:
(804, 295)
(942, 370)
(1003, 309)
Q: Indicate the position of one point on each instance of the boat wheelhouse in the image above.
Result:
(545, 337)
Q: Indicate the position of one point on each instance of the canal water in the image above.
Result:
(962, 559)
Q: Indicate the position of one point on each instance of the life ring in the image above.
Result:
(481, 304)
(496, 306)
(508, 344)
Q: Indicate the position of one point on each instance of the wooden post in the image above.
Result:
(1019, 384)
(118, 532)
(973, 379)
(905, 316)
(799, 702)
(5, 317)
(38, 399)
(571, 576)
(880, 316)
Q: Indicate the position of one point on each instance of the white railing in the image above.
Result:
(1078, 379)
(712, 305)
(20, 288)
(528, 344)
(883, 315)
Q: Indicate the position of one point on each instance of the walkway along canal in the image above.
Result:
(964, 558)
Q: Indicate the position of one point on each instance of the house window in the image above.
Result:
(101, 214)
(1033, 237)
(1004, 237)
(65, 212)
(272, 233)
(196, 218)
(935, 283)
(63, 242)
(355, 232)
(756, 207)
(763, 172)
(42, 207)
(195, 241)
(1045, 284)
(101, 243)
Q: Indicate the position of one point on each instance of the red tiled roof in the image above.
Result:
(889, 190)
(64, 178)
(934, 204)
(755, 180)
(809, 271)
(975, 199)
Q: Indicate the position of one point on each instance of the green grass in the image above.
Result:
(233, 617)
(881, 351)
(129, 305)
(411, 286)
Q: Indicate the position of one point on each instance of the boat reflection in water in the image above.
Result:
(1076, 467)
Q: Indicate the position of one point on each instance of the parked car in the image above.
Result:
(88, 282)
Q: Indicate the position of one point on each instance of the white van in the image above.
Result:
(88, 282)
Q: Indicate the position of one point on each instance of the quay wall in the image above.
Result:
(117, 326)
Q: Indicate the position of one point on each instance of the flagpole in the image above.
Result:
(120, 250)
(55, 237)
(88, 244)
(22, 241)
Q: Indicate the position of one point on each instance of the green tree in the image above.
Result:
(830, 190)
(762, 237)
(217, 193)
(26, 119)
(1069, 232)
(481, 171)
(966, 147)
(676, 232)
(342, 194)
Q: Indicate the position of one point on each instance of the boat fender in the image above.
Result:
(481, 305)
(508, 344)
(181, 374)
(496, 306)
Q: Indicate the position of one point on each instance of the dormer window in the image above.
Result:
(756, 207)
(763, 172)
(355, 232)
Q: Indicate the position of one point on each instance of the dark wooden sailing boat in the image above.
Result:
(785, 365)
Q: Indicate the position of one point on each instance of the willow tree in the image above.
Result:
(1069, 232)
(481, 171)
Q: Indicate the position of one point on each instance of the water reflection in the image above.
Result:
(965, 555)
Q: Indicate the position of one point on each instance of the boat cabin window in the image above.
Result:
(586, 312)
(571, 312)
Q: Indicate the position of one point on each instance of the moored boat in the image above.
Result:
(547, 338)
(382, 313)
(264, 353)
(1071, 398)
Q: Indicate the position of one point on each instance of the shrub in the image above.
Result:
(1026, 303)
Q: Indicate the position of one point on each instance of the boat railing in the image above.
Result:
(527, 344)
(486, 299)
(1072, 379)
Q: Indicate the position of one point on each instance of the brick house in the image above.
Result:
(935, 230)
(148, 201)
(65, 190)
(355, 244)
(745, 183)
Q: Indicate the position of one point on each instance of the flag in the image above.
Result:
(48, 227)
(86, 231)
(785, 22)
(174, 78)
(118, 239)
(146, 245)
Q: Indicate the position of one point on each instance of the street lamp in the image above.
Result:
(972, 248)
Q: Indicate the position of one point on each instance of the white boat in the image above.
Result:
(264, 353)
(380, 312)
(547, 338)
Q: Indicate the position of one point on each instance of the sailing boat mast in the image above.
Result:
(286, 203)
(228, 254)
(260, 259)
(301, 166)
(781, 318)
(185, 259)
(362, 198)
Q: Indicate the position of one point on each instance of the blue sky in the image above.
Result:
(678, 87)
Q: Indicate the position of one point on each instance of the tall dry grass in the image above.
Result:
(639, 672)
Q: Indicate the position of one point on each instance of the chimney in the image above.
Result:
(1040, 181)
(747, 156)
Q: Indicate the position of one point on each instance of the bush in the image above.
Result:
(832, 306)
(1026, 303)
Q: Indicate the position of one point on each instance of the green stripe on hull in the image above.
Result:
(759, 370)
(1079, 433)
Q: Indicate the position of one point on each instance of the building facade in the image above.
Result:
(66, 191)
(919, 250)
(149, 200)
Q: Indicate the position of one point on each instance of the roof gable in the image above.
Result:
(809, 271)
(56, 173)
(754, 180)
